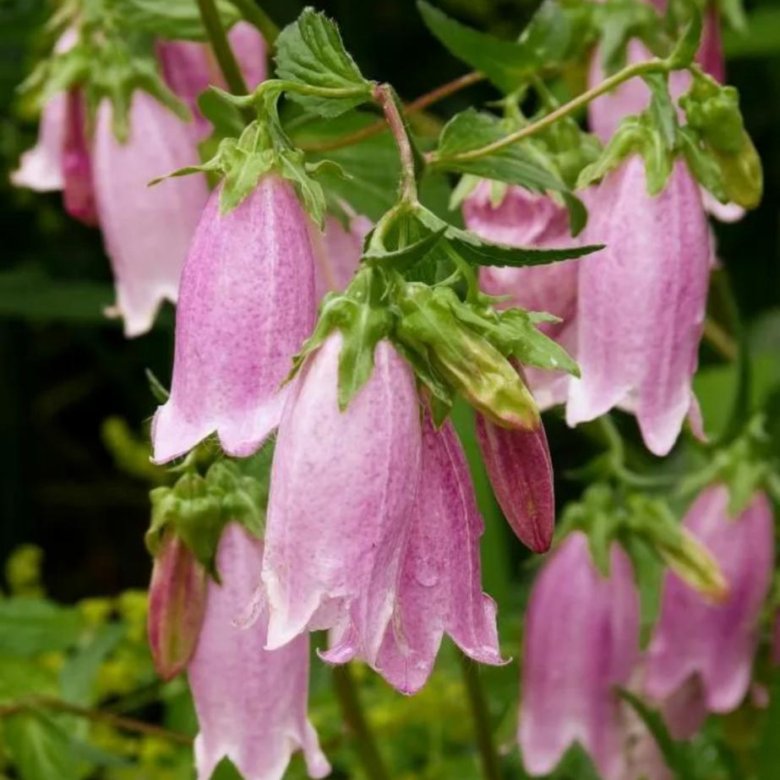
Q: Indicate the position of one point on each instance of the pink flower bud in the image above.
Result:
(342, 487)
(525, 219)
(715, 643)
(177, 600)
(79, 195)
(246, 306)
(440, 589)
(581, 640)
(520, 470)
(251, 703)
(190, 68)
(146, 230)
(642, 302)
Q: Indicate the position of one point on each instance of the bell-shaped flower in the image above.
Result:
(251, 703)
(146, 230)
(337, 251)
(190, 68)
(715, 643)
(641, 303)
(177, 600)
(519, 466)
(342, 488)
(523, 218)
(581, 641)
(440, 586)
(40, 168)
(245, 307)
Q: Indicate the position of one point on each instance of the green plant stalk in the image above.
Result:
(259, 18)
(582, 100)
(221, 46)
(487, 750)
(356, 722)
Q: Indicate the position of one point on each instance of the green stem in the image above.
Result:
(384, 96)
(479, 712)
(222, 51)
(259, 18)
(637, 69)
(356, 722)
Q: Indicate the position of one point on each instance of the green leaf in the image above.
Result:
(77, 676)
(518, 164)
(22, 677)
(39, 748)
(505, 63)
(688, 44)
(768, 752)
(173, 19)
(27, 293)
(30, 626)
(310, 53)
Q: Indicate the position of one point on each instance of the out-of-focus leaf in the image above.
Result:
(30, 626)
(762, 38)
(80, 670)
(39, 748)
(176, 19)
(29, 294)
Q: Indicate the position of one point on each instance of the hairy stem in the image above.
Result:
(222, 51)
(631, 71)
(259, 18)
(479, 712)
(383, 94)
(417, 105)
(99, 716)
(357, 724)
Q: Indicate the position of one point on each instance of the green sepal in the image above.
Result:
(684, 51)
(197, 508)
(310, 53)
(459, 356)
(363, 319)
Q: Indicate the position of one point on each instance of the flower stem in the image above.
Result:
(417, 105)
(100, 716)
(222, 51)
(259, 18)
(479, 712)
(356, 722)
(384, 95)
(637, 69)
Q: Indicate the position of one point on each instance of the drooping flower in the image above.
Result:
(520, 470)
(440, 586)
(641, 303)
(715, 643)
(190, 68)
(78, 190)
(523, 218)
(146, 230)
(246, 306)
(177, 602)
(581, 641)
(342, 487)
(251, 703)
(337, 251)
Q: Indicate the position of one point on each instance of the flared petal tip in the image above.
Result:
(139, 310)
(36, 172)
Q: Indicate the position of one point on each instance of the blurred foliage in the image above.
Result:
(75, 473)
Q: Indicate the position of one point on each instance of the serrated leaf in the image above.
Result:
(407, 255)
(515, 164)
(505, 63)
(173, 19)
(310, 52)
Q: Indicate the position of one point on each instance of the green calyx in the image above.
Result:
(196, 508)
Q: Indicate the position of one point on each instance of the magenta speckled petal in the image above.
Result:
(251, 704)
(342, 487)
(246, 306)
(146, 230)
(520, 470)
(642, 302)
(440, 589)
(716, 643)
(581, 640)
